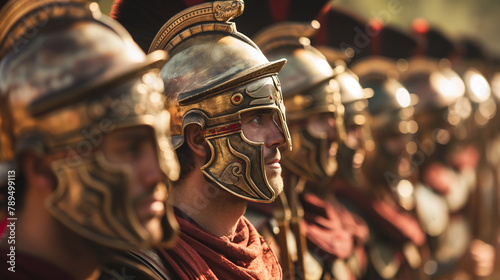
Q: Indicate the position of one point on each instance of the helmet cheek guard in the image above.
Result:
(310, 89)
(103, 82)
(214, 74)
(236, 163)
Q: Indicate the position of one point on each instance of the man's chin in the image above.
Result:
(276, 183)
(154, 229)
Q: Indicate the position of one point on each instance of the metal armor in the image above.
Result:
(214, 74)
(392, 126)
(351, 152)
(62, 89)
(310, 88)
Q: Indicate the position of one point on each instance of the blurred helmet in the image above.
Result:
(391, 109)
(68, 76)
(213, 76)
(336, 40)
(494, 77)
(312, 96)
(440, 90)
(471, 66)
(357, 119)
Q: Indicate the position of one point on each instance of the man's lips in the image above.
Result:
(275, 162)
(152, 208)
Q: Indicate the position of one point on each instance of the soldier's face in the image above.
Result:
(323, 126)
(262, 126)
(135, 148)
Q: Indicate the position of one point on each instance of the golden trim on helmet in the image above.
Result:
(176, 29)
(102, 82)
(215, 73)
(23, 16)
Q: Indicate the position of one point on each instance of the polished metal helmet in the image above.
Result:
(357, 119)
(471, 66)
(337, 40)
(391, 108)
(68, 76)
(309, 89)
(213, 76)
(442, 106)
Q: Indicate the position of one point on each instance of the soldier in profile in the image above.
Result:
(378, 178)
(321, 239)
(84, 140)
(228, 123)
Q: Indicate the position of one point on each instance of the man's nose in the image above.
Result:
(150, 170)
(276, 137)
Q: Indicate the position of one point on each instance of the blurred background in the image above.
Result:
(478, 19)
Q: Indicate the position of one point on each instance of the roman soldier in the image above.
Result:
(324, 240)
(228, 123)
(85, 154)
(447, 172)
(381, 179)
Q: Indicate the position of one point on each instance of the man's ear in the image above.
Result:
(194, 138)
(38, 173)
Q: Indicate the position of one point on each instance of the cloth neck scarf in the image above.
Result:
(201, 255)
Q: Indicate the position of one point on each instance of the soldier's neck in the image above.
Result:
(214, 209)
(39, 234)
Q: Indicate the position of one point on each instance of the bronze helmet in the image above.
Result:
(334, 40)
(309, 89)
(391, 109)
(372, 52)
(442, 106)
(357, 118)
(214, 74)
(68, 76)
(471, 66)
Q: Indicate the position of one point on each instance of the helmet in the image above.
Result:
(391, 109)
(309, 89)
(335, 40)
(391, 123)
(68, 76)
(357, 119)
(442, 106)
(213, 76)
(472, 68)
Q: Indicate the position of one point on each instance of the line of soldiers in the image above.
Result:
(230, 140)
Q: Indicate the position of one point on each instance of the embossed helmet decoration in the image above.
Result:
(62, 88)
(214, 75)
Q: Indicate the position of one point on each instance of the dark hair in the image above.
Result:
(186, 161)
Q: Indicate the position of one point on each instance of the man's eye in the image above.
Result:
(130, 149)
(257, 120)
